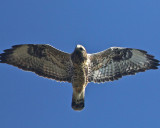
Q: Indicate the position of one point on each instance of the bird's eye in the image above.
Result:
(81, 48)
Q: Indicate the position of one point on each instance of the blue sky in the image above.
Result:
(30, 101)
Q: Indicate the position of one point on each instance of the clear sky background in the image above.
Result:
(30, 101)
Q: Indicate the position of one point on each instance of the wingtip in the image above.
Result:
(5, 55)
(154, 63)
(2, 58)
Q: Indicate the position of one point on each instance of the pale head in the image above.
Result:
(80, 47)
(79, 55)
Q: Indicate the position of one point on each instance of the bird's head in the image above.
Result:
(79, 54)
(80, 48)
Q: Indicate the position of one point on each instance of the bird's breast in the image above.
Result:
(79, 76)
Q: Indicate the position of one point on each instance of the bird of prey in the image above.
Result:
(79, 68)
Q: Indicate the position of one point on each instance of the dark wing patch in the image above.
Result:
(116, 62)
(44, 60)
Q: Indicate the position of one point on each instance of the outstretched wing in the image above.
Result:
(116, 62)
(44, 60)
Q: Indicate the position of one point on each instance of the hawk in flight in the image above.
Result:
(79, 68)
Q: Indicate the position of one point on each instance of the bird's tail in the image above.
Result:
(78, 99)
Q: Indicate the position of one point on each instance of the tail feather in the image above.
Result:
(78, 99)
